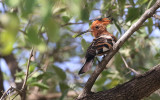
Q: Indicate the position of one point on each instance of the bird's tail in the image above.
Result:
(86, 66)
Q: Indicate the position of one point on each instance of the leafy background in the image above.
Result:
(50, 26)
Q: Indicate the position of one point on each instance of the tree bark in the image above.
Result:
(137, 88)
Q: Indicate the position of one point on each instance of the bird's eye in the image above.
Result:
(97, 27)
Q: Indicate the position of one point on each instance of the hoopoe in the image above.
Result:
(102, 43)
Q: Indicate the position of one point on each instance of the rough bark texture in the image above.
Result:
(139, 87)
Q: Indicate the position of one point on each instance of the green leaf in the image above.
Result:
(12, 3)
(133, 13)
(32, 35)
(28, 7)
(63, 86)
(20, 74)
(74, 36)
(41, 85)
(65, 19)
(85, 14)
(121, 4)
(52, 29)
(8, 34)
(150, 25)
(61, 74)
(157, 56)
(32, 80)
(141, 2)
(149, 4)
(118, 27)
(63, 95)
(84, 45)
(32, 67)
(101, 81)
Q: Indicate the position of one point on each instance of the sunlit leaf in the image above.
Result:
(10, 24)
(149, 4)
(32, 67)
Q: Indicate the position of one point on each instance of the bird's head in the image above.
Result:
(99, 26)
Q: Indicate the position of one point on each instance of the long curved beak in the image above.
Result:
(89, 30)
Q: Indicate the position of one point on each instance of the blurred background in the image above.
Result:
(50, 27)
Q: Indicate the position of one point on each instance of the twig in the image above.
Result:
(126, 65)
(5, 93)
(156, 16)
(15, 96)
(28, 64)
(22, 32)
(100, 67)
(30, 18)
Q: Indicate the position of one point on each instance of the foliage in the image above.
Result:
(48, 26)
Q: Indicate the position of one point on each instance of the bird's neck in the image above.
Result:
(98, 34)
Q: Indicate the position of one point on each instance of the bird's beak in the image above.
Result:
(89, 30)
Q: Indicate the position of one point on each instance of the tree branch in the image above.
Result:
(127, 66)
(100, 67)
(137, 88)
(25, 80)
(156, 16)
(22, 91)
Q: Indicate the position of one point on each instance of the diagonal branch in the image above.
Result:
(136, 89)
(148, 13)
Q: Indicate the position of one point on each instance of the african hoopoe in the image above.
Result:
(101, 44)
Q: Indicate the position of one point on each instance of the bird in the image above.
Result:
(102, 43)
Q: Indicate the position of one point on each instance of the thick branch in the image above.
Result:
(119, 43)
(135, 89)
